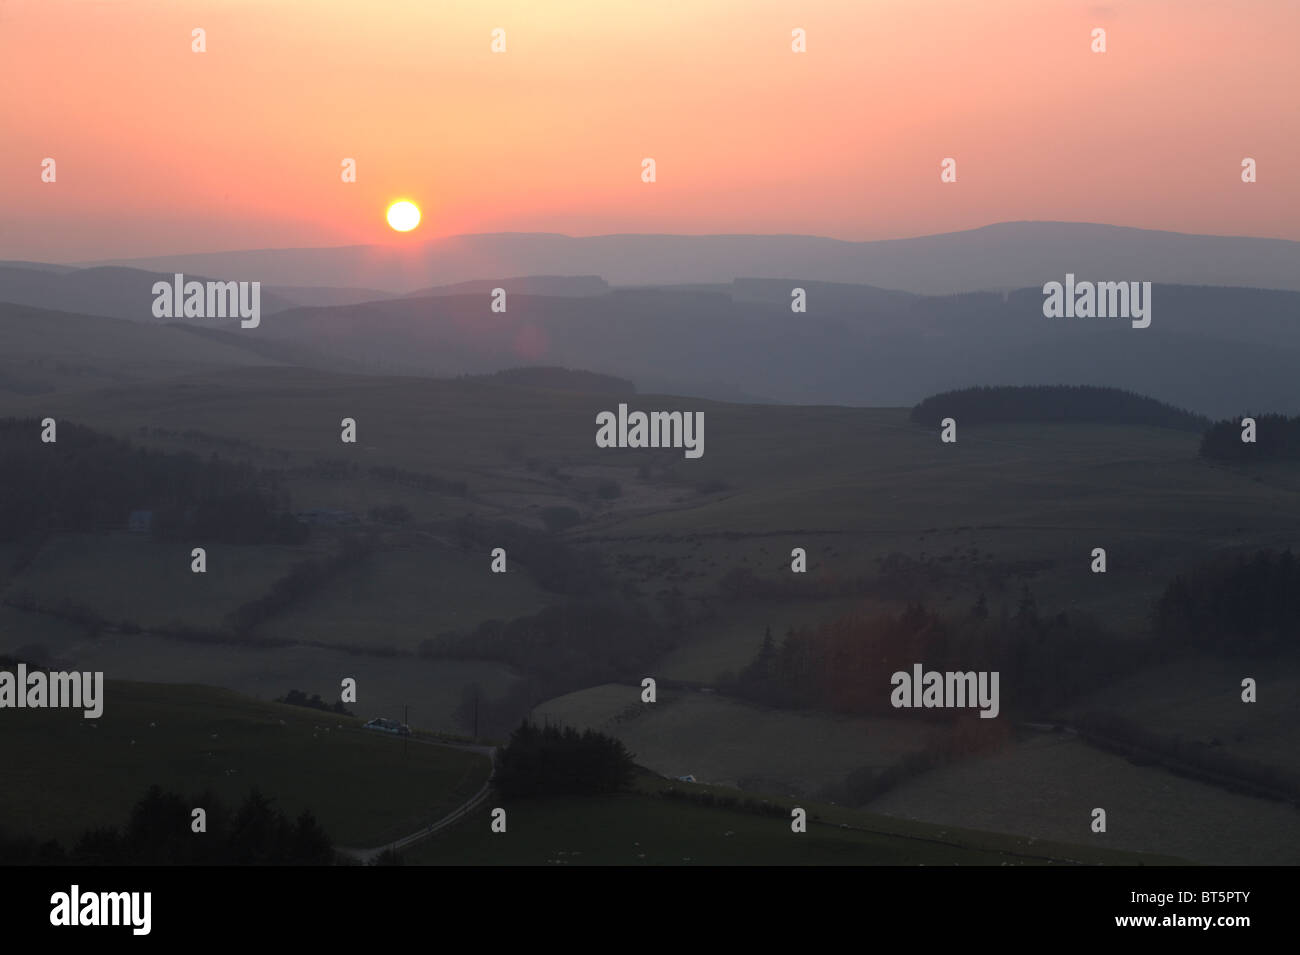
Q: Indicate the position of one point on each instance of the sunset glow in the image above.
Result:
(240, 146)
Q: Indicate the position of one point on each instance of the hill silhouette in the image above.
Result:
(1056, 403)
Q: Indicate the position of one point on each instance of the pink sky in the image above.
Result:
(160, 149)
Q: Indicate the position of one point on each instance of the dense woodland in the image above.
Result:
(845, 665)
(88, 481)
(1237, 606)
(550, 761)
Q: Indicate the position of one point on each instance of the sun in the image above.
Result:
(403, 215)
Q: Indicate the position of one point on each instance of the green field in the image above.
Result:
(62, 774)
(640, 828)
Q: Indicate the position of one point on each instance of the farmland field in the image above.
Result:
(63, 774)
(386, 686)
(398, 597)
(1047, 786)
(1009, 507)
(129, 577)
(640, 828)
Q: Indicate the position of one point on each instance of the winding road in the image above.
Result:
(366, 856)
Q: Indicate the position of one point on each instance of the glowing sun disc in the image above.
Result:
(403, 215)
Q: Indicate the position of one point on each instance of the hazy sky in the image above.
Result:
(160, 149)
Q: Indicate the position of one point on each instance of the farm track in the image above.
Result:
(366, 856)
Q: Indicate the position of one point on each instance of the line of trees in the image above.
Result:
(314, 702)
(1053, 403)
(302, 580)
(1277, 438)
(158, 832)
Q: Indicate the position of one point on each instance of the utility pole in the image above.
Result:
(406, 721)
(476, 713)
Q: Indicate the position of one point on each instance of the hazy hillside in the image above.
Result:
(855, 345)
(43, 351)
(738, 341)
(561, 379)
(310, 295)
(571, 286)
(115, 292)
(1004, 255)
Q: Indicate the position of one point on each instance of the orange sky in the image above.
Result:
(160, 149)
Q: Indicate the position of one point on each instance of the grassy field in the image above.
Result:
(1047, 786)
(62, 773)
(641, 829)
(729, 643)
(132, 577)
(1199, 700)
(386, 686)
(399, 597)
(39, 636)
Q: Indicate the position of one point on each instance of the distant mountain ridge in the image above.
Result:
(1215, 351)
(112, 291)
(998, 256)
